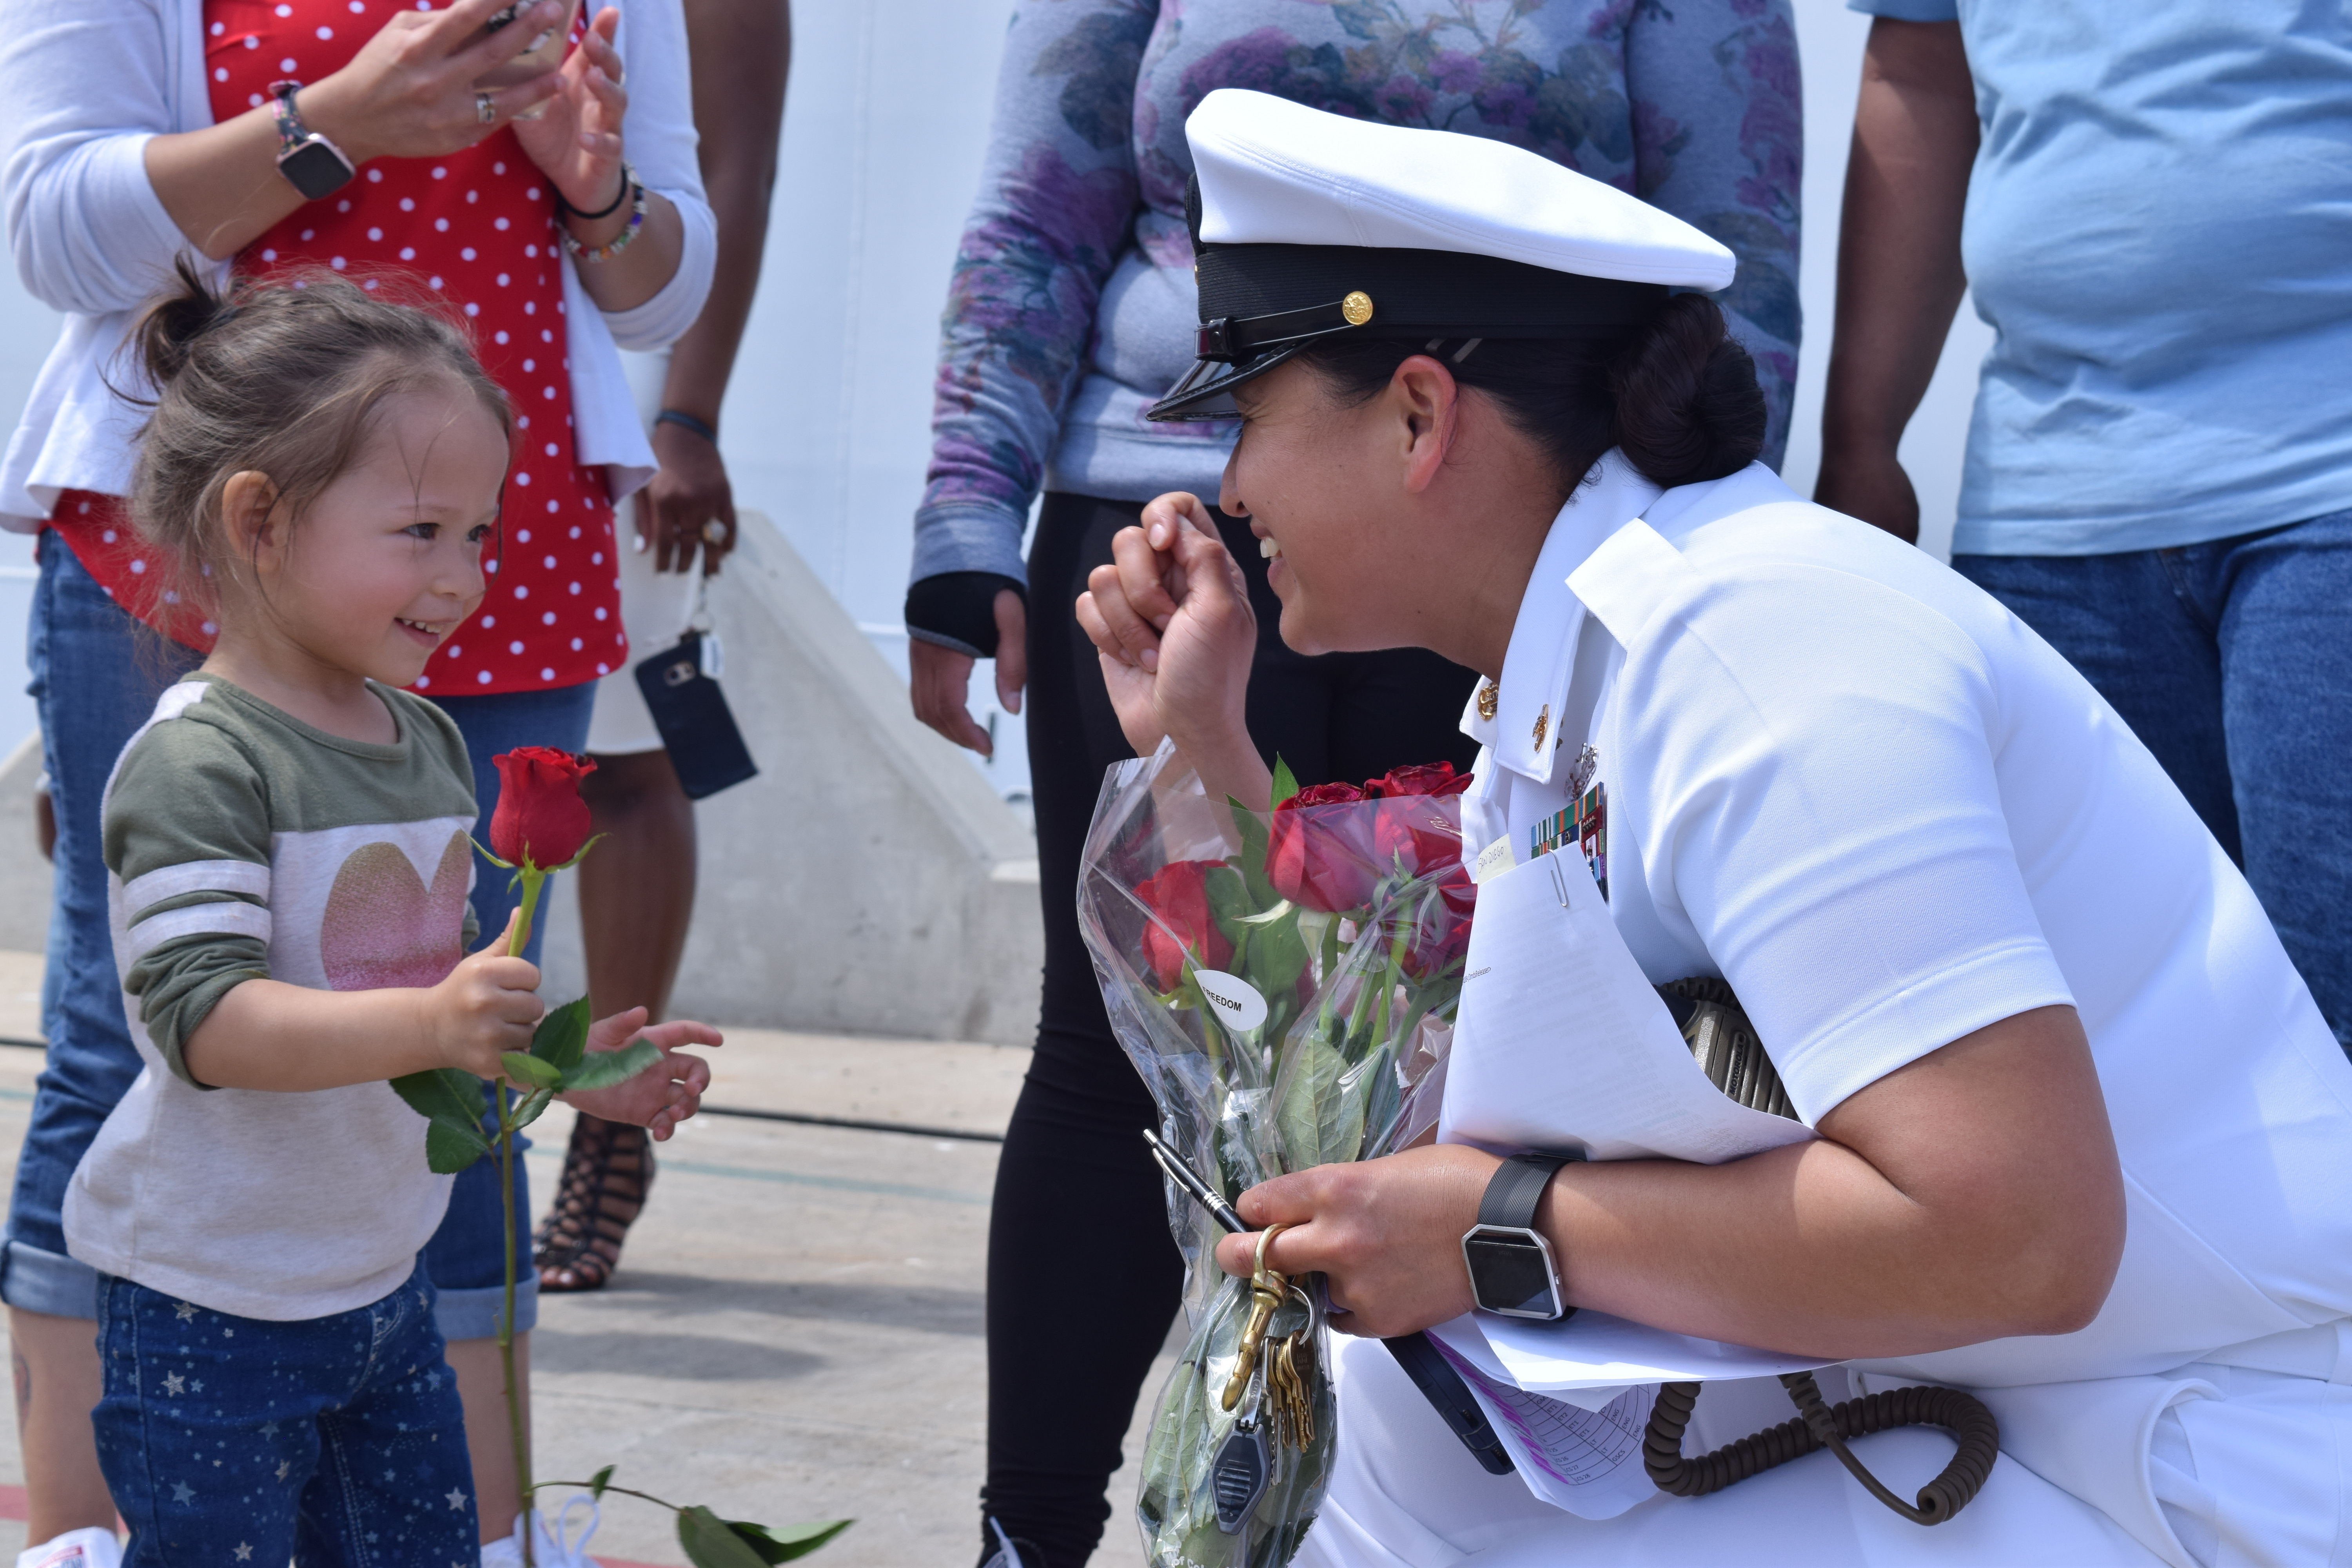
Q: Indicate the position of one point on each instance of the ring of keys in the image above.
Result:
(1287, 1364)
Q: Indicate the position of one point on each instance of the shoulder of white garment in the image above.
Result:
(1702, 534)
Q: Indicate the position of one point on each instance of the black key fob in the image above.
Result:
(1238, 1476)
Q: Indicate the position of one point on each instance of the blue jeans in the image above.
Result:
(96, 674)
(332, 1440)
(2231, 661)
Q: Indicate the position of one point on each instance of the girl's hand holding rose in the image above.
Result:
(488, 1006)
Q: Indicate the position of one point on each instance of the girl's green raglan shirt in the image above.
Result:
(243, 844)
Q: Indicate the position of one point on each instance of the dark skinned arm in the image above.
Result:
(1899, 274)
(740, 52)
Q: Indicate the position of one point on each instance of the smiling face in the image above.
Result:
(1409, 517)
(1316, 479)
(387, 560)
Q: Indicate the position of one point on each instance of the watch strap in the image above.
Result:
(1514, 1189)
(291, 131)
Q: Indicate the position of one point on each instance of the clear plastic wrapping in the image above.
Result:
(1285, 980)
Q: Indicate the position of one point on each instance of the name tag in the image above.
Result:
(1493, 861)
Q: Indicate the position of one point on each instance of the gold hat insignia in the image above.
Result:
(1357, 307)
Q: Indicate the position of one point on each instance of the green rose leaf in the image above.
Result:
(1277, 953)
(603, 1070)
(530, 1070)
(450, 1145)
(561, 1036)
(599, 1481)
(783, 1542)
(1285, 784)
(1253, 855)
(440, 1093)
(1311, 1094)
(532, 1108)
(711, 1542)
(1229, 899)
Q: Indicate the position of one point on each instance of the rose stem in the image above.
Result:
(532, 878)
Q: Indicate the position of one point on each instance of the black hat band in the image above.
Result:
(1255, 297)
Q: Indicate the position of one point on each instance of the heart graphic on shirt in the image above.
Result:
(383, 927)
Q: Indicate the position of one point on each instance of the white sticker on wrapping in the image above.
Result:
(1239, 1006)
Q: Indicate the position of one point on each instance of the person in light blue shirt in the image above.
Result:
(2153, 203)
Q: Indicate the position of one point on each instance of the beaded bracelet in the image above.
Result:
(619, 242)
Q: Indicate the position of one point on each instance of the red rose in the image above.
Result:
(1427, 778)
(1179, 896)
(1322, 860)
(540, 820)
(1441, 931)
(1417, 821)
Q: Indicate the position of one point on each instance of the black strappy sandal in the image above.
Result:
(607, 1173)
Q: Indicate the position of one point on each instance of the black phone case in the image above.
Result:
(696, 724)
(1451, 1397)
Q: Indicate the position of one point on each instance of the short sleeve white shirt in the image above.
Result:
(1839, 776)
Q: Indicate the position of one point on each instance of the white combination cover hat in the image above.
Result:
(1307, 225)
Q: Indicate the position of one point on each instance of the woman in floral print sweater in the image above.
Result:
(1070, 311)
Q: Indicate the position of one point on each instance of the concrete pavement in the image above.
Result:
(796, 1329)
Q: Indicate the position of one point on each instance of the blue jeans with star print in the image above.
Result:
(332, 1442)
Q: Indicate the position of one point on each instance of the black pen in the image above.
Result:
(1185, 1177)
(1416, 1354)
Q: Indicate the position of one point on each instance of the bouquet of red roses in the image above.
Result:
(1285, 980)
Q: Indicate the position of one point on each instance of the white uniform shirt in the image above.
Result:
(1848, 782)
(1843, 779)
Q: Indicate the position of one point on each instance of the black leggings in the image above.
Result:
(1083, 1281)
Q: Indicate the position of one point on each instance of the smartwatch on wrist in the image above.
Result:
(1512, 1271)
(312, 164)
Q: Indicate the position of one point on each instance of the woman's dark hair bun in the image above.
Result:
(1688, 408)
(176, 319)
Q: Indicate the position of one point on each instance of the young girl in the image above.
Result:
(287, 844)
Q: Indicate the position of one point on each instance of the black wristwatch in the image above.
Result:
(315, 166)
(1512, 1271)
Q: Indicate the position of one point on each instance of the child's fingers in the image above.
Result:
(503, 943)
(680, 1032)
(691, 1075)
(515, 974)
(611, 1034)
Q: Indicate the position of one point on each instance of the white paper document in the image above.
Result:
(1594, 1356)
(1562, 1043)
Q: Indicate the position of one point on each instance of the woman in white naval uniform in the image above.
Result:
(2084, 1139)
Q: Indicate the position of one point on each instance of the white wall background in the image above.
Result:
(826, 424)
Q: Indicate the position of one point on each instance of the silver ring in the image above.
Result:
(485, 110)
(714, 532)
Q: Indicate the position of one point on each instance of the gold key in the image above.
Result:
(1267, 1291)
(1290, 1364)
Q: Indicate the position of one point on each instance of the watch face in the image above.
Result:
(316, 168)
(1511, 1273)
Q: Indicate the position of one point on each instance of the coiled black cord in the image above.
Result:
(1823, 1425)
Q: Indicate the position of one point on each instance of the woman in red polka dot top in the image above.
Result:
(513, 172)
